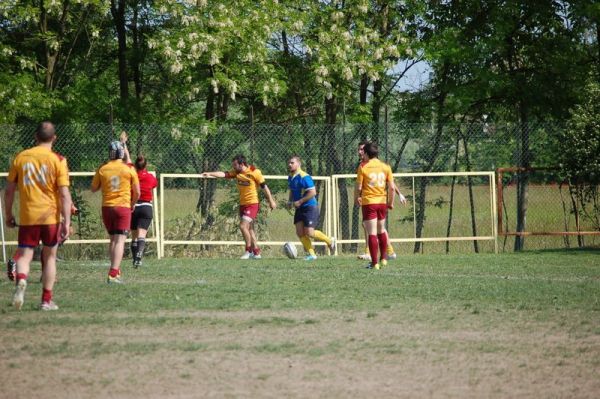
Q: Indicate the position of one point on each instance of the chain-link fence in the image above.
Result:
(326, 150)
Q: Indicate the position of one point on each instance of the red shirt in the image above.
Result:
(147, 183)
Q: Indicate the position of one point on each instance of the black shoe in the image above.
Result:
(137, 263)
(11, 269)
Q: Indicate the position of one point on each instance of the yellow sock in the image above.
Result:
(307, 244)
(367, 249)
(320, 236)
(390, 249)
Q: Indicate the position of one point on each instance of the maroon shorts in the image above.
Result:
(249, 211)
(374, 211)
(117, 219)
(30, 236)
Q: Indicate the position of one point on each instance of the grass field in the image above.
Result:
(511, 325)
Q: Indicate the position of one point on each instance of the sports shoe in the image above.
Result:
(332, 245)
(247, 255)
(48, 306)
(11, 269)
(256, 256)
(19, 296)
(369, 266)
(376, 266)
(384, 262)
(366, 256)
(310, 257)
(392, 255)
(114, 280)
(137, 263)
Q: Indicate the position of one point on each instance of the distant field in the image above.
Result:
(510, 325)
(182, 222)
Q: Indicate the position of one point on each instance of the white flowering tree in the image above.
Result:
(219, 50)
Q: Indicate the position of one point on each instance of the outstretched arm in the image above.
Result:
(213, 174)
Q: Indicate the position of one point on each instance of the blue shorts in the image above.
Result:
(309, 215)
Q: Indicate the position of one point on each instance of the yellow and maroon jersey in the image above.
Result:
(115, 179)
(247, 183)
(373, 177)
(39, 173)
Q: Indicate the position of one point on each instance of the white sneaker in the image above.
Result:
(392, 256)
(332, 246)
(48, 306)
(19, 296)
(364, 257)
(256, 256)
(247, 255)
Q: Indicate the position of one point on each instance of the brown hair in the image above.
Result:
(140, 162)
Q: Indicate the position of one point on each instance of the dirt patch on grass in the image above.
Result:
(395, 353)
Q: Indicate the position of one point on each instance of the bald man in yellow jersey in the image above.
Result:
(120, 191)
(375, 194)
(42, 178)
(248, 179)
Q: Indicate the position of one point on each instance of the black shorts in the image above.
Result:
(142, 216)
(309, 215)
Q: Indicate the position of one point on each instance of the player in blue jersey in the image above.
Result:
(303, 198)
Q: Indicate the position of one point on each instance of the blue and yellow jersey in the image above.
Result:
(299, 183)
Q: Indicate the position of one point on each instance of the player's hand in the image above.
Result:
(123, 137)
(290, 205)
(390, 206)
(272, 205)
(10, 221)
(402, 199)
(65, 231)
(358, 201)
(297, 204)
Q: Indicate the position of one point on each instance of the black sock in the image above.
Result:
(134, 248)
(141, 243)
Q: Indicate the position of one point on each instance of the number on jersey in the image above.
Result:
(377, 179)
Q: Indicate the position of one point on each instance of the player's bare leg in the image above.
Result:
(382, 237)
(245, 228)
(373, 240)
(391, 254)
(23, 265)
(116, 247)
(48, 277)
(254, 242)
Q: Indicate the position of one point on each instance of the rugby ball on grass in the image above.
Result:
(290, 250)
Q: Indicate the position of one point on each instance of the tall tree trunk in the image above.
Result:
(335, 163)
(451, 210)
(137, 55)
(376, 109)
(52, 55)
(471, 197)
(522, 178)
(117, 9)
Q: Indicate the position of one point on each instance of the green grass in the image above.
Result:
(536, 281)
(495, 321)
